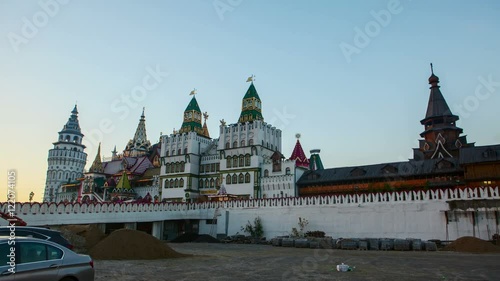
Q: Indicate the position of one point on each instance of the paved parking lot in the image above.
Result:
(263, 262)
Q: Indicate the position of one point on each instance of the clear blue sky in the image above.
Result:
(358, 111)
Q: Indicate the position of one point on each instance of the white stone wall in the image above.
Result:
(377, 215)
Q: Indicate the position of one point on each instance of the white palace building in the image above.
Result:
(245, 161)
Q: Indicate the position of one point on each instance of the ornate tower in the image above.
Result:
(251, 106)
(140, 144)
(298, 155)
(67, 159)
(315, 162)
(192, 119)
(441, 136)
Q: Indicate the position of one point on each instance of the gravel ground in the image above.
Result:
(263, 262)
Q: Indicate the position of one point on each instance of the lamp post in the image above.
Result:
(31, 196)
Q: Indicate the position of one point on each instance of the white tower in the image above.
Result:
(67, 159)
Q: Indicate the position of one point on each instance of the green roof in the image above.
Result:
(193, 105)
(251, 93)
(124, 183)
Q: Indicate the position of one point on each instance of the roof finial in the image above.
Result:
(193, 92)
(432, 69)
(297, 135)
(143, 108)
(251, 78)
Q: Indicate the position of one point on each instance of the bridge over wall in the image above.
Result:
(418, 214)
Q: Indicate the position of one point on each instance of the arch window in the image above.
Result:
(212, 183)
(228, 162)
(235, 144)
(247, 178)
(266, 173)
(240, 178)
(167, 153)
(227, 145)
(176, 183)
(228, 179)
(247, 160)
(287, 170)
(234, 179)
(181, 183)
(201, 183)
(235, 161)
(242, 143)
(250, 142)
(242, 160)
(182, 166)
(179, 151)
(171, 183)
(185, 150)
(207, 183)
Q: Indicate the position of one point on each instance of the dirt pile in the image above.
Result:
(205, 238)
(82, 237)
(468, 244)
(186, 237)
(127, 244)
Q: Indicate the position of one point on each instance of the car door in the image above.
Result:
(7, 261)
(37, 261)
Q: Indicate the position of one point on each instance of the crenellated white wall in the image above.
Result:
(415, 214)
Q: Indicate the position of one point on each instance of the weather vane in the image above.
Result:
(251, 78)
(193, 92)
(205, 115)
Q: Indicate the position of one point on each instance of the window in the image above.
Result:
(201, 183)
(54, 253)
(202, 168)
(181, 183)
(185, 150)
(287, 171)
(250, 142)
(242, 160)
(217, 167)
(235, 161)
(228, 179)
(179, 151)
(227, 145)
(247, 178)
(167, 153)
(176, 183)
(212, 167)
(242, 143)
(266, 173)
(35, 252)
(235, 144)
(247, 160)
(228, 162)
(234, 179)
(240, 178)
(212, 183)
(182, 166)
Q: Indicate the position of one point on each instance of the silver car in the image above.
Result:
(30, 259)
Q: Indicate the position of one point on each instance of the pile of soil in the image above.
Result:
(127, 244)
(205, 238)
(468, 244)
(93, 235)
(82, 237)
(184, 238)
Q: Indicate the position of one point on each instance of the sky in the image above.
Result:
(349, 76)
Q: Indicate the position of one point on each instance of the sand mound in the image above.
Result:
(470, 244)
(93, 235)
(186, 237)
(205, 238)
(127, 244)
